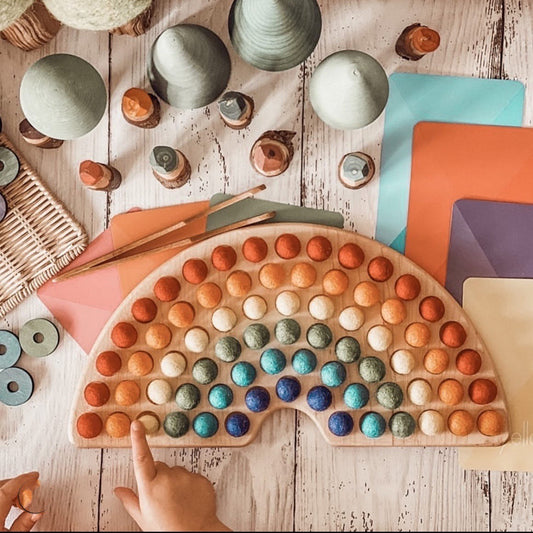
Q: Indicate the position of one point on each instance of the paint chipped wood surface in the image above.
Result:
(289, 478)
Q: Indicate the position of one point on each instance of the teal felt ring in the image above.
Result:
(11, 345)
(29, 333)
(16, 386)
(9, 166)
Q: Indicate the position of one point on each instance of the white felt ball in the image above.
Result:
(254, 307)
(402, 361)
(351, 318)
(159, 391)
(431, 422)
(224, 319)
(419, 391)
(379, 338)
(150, 422)
(287, 303)
(321, 307)
(173, 364)
(196, 340)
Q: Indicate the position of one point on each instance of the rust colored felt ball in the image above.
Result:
(431, 309)
(452, 334)
(482, 391)
(287, 246)
(335, 282)
(254, 249)
(167, 288)
(181, 314)
(393, 311)
(140, 363)
(117, 425)
(194, 271)
(461, 423)
(239, 284)
(468, 362)
(303, 275)
(436, 360)
(491, 423)
(209, 295)
(366, 294)
(89, 425)
(451, 392)
(417, 334)
(124, 335)
(108, 363)
(272, 275)
(127, 393)
(96, 393)
(223, 257)
(144, 310)
(351, 256)
(158, 336)
(380, 268)
(407, 287)
(319, 248)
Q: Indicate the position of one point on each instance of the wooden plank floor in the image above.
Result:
(289, 479)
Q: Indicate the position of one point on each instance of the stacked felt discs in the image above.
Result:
(315, 318)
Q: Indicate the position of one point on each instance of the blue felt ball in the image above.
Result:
(333, 374)
(319, 398)
(237, 424)
(304, 361)
(220, 396)
(243, 374)
(273, 361)
(205, 425)
(288, 389)
(257, 399)
(340, 423)
(356, 396)
(372, 425)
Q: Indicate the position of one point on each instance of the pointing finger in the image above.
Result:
(143, 462)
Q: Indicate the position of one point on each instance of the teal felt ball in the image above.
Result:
(205, 425)
(272, 361)
(333, 374)
(220, 396)
(304, 361)
(243, 374)
(356, 396)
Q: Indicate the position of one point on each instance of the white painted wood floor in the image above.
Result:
(289, 479)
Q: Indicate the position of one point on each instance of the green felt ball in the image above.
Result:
(256, 336)
(319, 336)
(187, 396)
(228, 349)
(372, 369)
(347, 350)
(389, 395)
(287, 331)
(402, 425)
(176, 424)
(205, 371)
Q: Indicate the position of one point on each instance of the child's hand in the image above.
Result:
(170, 499)
(9, 491)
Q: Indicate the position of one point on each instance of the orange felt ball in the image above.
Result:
(468, 362)
(181, 314)
(452, 334)
(436, 361)
(239, 284)
(254, 249)
(209, 295)
(287, 246)
(108, 363)
(351, 256)
(127, 393)
(491, 423)
(194, 271)
(335, 282)
(431, 309)
(158, 336)
(272, 275)
(303, 275)
(124, 335)
(144, 310)
(461, 423)
(140, 363)
(89, 425)
(417, 334)
(223, 257)
(167, 288)
(96, 393)
(117, 425)
(482, 391)
(451, 392)
(393, 311)
(407, 287)
(319, 248)
(380, 268)
(366, 294)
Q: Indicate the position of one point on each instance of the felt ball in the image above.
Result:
(304, 361)
(237, 424)
(319, 336)
(431, 309)
(321, 307)
(188, 396)
(319, 398)
(176, 424)
(96, 393)
(223, 257)
(287, 246)
(108, 363)
(205, 371)
(303, 275)
(287, 303)
(89, 425)
(347, 349)
(379, 338)
(431, 423)
(461, 423)
(150, 421)
(333, 374)
(482, 391)
(287, 331)
(254, 307)
(158, 336)
(254, 249)
(243, 374)
(209, 295)
(140, 363)
(272, 361)
(319, 248)
(144, 310)
(371, 369)
(402, 361)
(380, 268)
(356, 396)
(451, 392)
(335, 282)
(194, 271)
(159, 391)
(272, 275)
(389, 395)
(372, 425)
(239, 284)
(220, 396)
(351, 318)
(491, 423)
(366, 294)
(224, 319)
(468, 362)
(228, 349)
(124, 335)
(393, 311)
(452, 334)
(417, 334)
(402, 425)
(205, 425)
(351, 256)
(257, 399)
(288, 389)
(340, 423)
(167, 288)
(407, 287)
(127, 393)
(117, 425)
(436, 360)
(173, 364)
(196, 340)
(419, 391)
(256, 336)
(181, 314)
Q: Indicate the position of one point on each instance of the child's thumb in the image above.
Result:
(130, 501)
